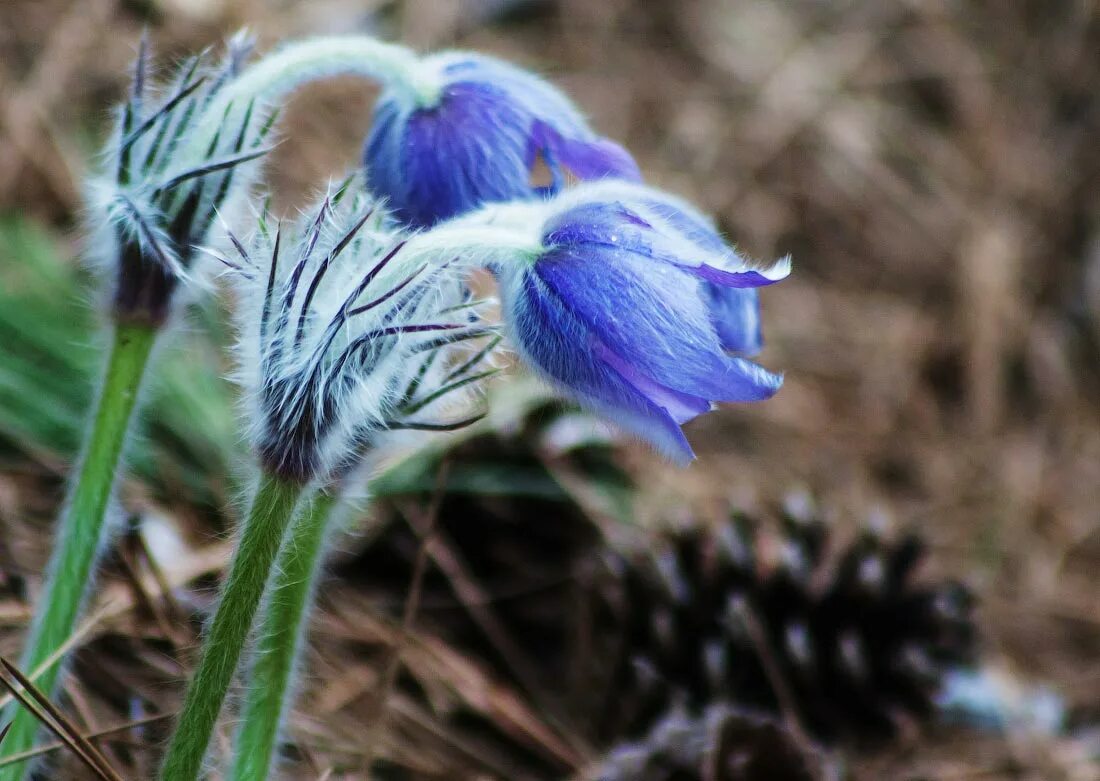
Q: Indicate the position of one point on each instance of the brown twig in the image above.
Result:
(63, 649)
(142, 598)
(783, 693)
(84, 713)
(175, 613)
(476, 601)
(412, 603)
(54, 720)
(49, 748)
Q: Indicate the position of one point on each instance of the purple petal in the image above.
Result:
(563, 350)
(655, 318)
(615, 225)
(691, 223)
(442, 161)
(748, 278)
(585, 158)
(479, 142)
(735, 313)
(733, 271)
(680, 406)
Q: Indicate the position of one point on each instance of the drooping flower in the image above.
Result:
(439, 151)
(152, 207)
(347, 328)
(616, 307)
(476, 138)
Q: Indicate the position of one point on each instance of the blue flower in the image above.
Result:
(474, 135)
(618, 308)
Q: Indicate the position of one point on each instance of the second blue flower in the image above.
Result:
(473, 133)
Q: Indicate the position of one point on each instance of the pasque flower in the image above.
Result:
(616, 305)
(474, 135)
(469, 130)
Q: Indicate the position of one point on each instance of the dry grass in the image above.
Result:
(933, 168)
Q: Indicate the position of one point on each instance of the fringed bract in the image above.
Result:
(152, 208)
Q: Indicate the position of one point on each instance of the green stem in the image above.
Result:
(282, 632)
(81, 534)
(271, 511)
(271, 78)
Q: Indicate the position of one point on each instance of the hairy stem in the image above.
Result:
(81, 534)
(487, 241)
(282, 632)
(272, 508)
(273, 77)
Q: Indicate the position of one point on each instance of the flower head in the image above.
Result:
(151, 208)
(475, 138)
(617, 307)
(348, 329)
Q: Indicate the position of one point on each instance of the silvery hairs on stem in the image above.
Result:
(350, 327)
(149, 209)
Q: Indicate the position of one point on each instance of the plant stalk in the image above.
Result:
(82, 531)
(273, 77)
(271, 511)
(282, 634)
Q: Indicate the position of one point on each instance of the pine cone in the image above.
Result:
(851, 646)
(723, 744)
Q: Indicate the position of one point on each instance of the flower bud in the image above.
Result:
(151, 210)
(338, 314)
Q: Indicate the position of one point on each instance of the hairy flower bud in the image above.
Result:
(340, 314)
(151, 209)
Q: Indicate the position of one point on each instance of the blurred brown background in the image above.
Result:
(932, 166)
